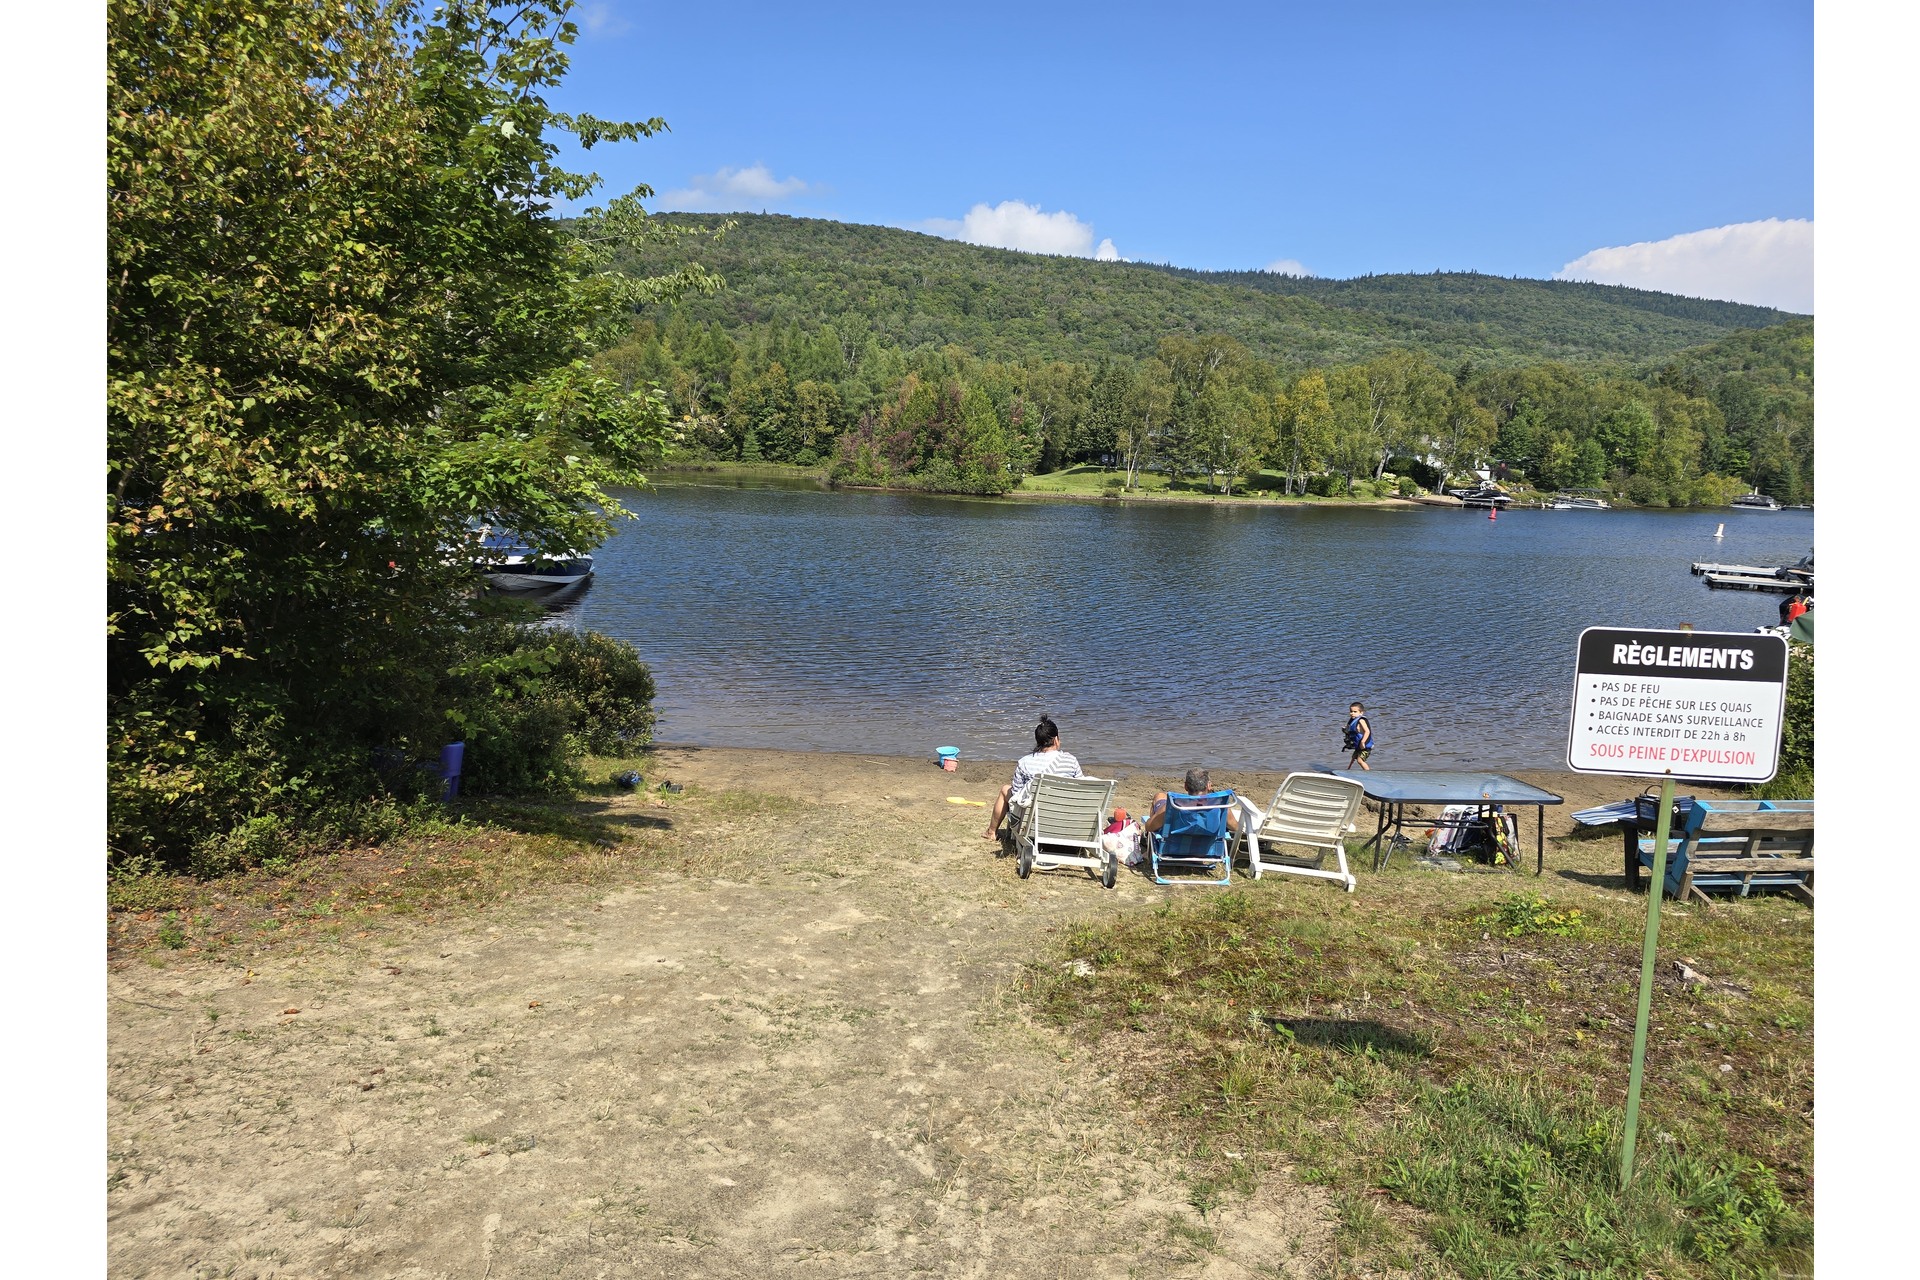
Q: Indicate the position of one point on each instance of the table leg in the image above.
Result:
(1377, 844)
(1539, 839)
(1381, 830)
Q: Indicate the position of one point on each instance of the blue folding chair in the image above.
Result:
(1193, 836)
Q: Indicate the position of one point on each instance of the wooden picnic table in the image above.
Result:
(1725, 843)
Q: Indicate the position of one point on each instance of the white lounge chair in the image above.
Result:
(1061, 827)
(1310, 811)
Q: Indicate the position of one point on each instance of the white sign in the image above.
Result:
(1706, 705)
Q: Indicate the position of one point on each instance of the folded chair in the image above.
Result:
(1310, 811)
(1194, 836)
(1061, 827)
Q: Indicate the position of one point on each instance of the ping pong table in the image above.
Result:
(1397, 792)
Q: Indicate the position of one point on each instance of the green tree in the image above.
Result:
(1463, 429)
(1627, 436)
(341, 327)
(818, 415)
(762, 410)
(1147, 407)
(1306, 417)
(983, 445)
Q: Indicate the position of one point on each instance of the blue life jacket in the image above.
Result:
(1353, 739)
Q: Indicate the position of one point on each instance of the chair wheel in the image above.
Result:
(1024, 864)
(1110, 871)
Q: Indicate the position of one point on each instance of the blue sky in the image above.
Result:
(1508, 138)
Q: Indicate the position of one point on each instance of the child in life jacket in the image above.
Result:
(1359, 737)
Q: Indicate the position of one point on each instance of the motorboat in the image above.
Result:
(1755, 502)
(511, 565)
(1485, 496)
(1579, 500)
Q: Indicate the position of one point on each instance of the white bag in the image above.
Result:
(1124, 843)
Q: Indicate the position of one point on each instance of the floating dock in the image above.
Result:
(1754, 582)
(1751, 570)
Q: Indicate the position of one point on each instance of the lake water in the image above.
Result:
(1157, 635)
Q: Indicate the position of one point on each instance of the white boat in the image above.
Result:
(1579, 501)
(511, 565)
(1755, 502)
(529, 573)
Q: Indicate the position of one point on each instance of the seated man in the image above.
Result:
(1046, 757)
(1198, 784)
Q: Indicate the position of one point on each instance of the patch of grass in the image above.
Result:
(488, 852)
(170, 934)
(1521, 915)
(1451, 1063)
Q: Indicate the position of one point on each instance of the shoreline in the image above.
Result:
(776, 471)
(818, 475)
(978, 778)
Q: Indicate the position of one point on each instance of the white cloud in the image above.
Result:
(601, 19)
(729, 190)
(1286, 267)
(1767, 263)
(1015, 224)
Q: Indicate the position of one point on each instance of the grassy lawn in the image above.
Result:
(739, 470)
(1448, 1053)
(1092, 482)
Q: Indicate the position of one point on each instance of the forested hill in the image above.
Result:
(1573, 314)
(914, 291)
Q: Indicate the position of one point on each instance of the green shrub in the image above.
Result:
(606, 690)
(1407, 488)
(271, 787)
(1796, 737)
(1794, 780)
(1327, 485)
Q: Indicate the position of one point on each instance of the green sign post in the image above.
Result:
(1655, 892)
(1661, 704)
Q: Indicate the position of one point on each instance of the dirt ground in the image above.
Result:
(803, 1064)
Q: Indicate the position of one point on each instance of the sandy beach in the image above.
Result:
(772, 1032)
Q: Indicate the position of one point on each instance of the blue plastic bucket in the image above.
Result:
(948, 758)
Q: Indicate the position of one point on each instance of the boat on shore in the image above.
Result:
(1579, 500)
(1755, 501)
(1485, 496)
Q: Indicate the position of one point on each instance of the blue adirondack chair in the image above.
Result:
(1195, 837)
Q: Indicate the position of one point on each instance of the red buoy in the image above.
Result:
(1491, 513)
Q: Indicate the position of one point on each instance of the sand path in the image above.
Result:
(808, 1067)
